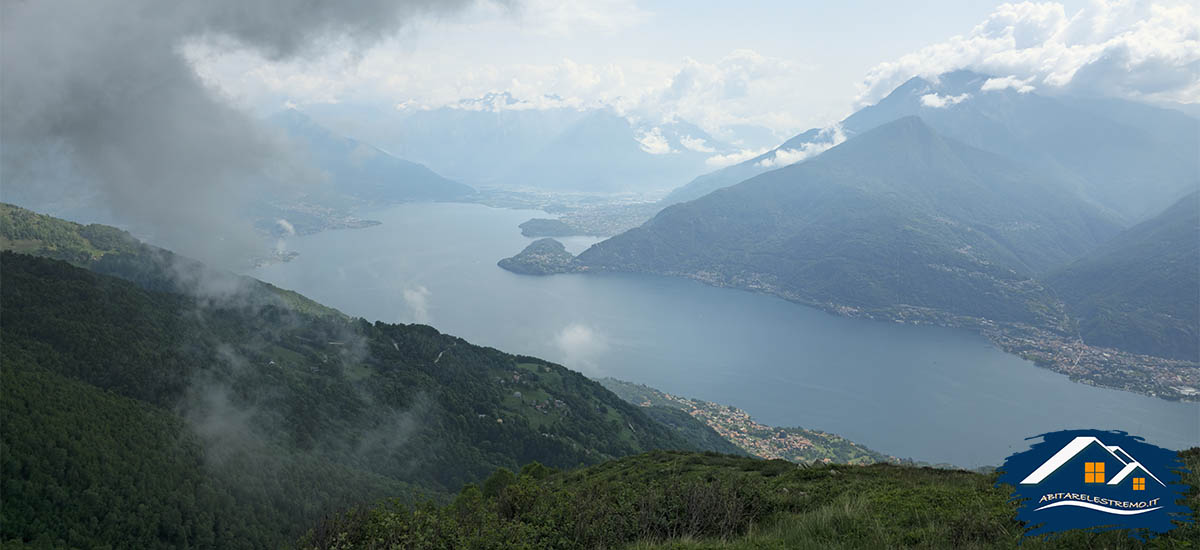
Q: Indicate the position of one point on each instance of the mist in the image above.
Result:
(103, 104)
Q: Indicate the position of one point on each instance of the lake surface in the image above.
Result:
(929, 393)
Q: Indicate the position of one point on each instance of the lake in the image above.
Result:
(928, 393)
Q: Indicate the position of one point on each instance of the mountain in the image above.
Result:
(498, 140)
(362, 171)
(149, 403)
(111, 251)
(605, 152)
(1130, 158)
(1140, 291)
(473, 141)
(898, 217)
(744, 170)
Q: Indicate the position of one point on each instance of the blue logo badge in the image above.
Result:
(1096, 480)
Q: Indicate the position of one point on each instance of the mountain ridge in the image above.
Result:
(1141, 289)
(1131, 159)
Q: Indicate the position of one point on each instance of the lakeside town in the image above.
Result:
(793, 444)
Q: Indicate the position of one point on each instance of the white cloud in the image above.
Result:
(741, 88)
(721, 161)
(938, 101)
(1021, 86)
(286, 226)
(827, 138)
(562, 17)
(417, 299)
(1146, 50)
(696, 144)
(581, 346)
(654, 143)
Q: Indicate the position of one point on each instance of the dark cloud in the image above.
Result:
(99, 93)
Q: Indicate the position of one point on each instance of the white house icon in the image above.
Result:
(1076, 446)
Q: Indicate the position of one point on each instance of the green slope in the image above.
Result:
(282, 415)
(896, 217)
(686, 500)
(1141, 291)
(111, 251)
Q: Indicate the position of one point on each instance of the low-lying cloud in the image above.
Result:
(581, 346)
(417, 299)
(654, 142)
(936, 101)
(827, 138)
(1021, 86)
(721, 161)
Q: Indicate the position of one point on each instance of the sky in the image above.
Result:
(784, 65)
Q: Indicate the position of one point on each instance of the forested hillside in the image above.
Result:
(1141, 290)
(140, 418)
(898, 217)
(111, 251)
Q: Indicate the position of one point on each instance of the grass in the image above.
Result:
(667, 500)
(887, 506)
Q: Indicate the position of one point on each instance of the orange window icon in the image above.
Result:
(1139, 484)
(1093, 472)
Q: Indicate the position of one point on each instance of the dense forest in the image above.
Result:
(163, 409)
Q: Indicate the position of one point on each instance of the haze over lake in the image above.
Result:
(929, 393)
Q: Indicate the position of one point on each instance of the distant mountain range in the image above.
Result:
(604, 152)
(1130, 158)
(471, 142)
(362, 171)
(488, 142)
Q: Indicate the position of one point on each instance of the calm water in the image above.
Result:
(933, 394)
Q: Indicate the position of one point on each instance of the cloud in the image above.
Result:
(654, 143)
(108, 92)
(417, 299)
(1130, 49)
(721, 161)
(938, 101)
(1021, 86)
(581, 345)
(286, 226)
(740, 88)
(827, 138)
(696, 144)
(562, 17)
